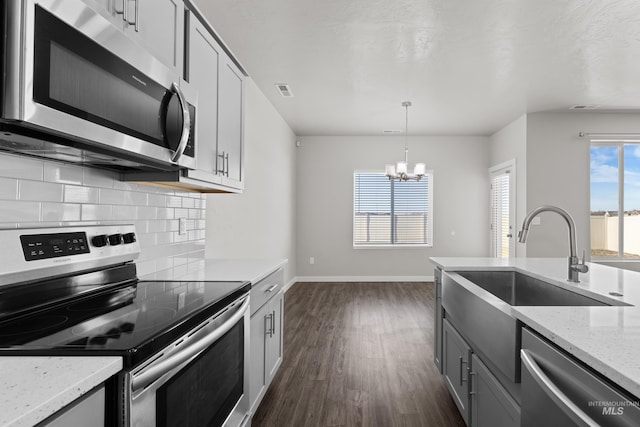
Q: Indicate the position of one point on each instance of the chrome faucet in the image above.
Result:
(575, 265)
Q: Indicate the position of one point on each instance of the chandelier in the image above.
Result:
(399, 170)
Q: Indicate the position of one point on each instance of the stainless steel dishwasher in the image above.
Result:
(558, 391)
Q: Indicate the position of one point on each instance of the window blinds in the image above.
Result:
(500, 215)
(392, 212)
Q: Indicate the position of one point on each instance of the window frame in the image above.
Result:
(430, 177)
(620, 145)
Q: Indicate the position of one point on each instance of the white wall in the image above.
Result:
(511, 143)
(260, 222)
(558, 173)
(325, 204)
(43, 193)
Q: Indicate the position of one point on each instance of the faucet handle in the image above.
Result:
(582, 266)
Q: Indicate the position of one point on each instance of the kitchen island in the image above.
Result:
(606, 339)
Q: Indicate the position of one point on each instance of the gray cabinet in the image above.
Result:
(437, 321)
(201, 74)
(479, 396)
(231, 124)
(157, 25)
(87, 411)
(267, 309)
(491, 404)
(456, 355)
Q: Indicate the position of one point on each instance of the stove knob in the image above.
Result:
(99, 240)
(115, 239)
(129, 238)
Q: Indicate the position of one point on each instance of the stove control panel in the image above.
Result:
(29, 254)
(43, 246)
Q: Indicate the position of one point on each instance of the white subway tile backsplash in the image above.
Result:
(8, 189)
(109, 196)
(188, 202)
(60, 212)
(124, 212)
(135, 198)
(99, 178)
(64, 174)
(96, 212)
(78, 194)
(21, 167)
(157, 226)
(39, 191)
(18, 211)
(165, 213)
(146, 212)
(157, 200)
(174, 202)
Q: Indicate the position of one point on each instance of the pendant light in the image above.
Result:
(399, 170)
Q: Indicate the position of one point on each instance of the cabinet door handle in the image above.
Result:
(122, 12)
(218, 170)
(473, 381)
(268, 330)
(273, 323)
(226, 168)
(272, 288)
(462, 377)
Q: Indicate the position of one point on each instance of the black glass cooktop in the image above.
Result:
(133, 320)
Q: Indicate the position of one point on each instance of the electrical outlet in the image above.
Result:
(182, 226)
(536, 221)
(312, 260)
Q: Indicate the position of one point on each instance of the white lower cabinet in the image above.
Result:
(267, 309)
(479, 396)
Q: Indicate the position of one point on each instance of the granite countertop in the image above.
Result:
(252, 270)
(605, 338)
(33, 388)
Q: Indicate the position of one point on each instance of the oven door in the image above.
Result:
(200, 380)
(72, 74)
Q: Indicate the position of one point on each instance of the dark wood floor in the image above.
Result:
(358, 354)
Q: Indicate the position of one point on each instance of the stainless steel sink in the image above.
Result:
(479, 305)
(516, 288)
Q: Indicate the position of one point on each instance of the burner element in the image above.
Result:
(30, 325)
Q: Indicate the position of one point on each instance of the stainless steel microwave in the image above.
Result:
(76, 88)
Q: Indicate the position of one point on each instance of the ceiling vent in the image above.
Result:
(284, 90)
(584, 107)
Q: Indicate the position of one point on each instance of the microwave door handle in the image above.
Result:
(554, 393)
(152, 373)
(186, 122)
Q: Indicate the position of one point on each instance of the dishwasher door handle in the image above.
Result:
(554, 393)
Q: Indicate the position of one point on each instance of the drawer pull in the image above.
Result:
(272, 288)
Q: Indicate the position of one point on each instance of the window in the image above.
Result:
(502, 209)
(389, 212)
(615, 200)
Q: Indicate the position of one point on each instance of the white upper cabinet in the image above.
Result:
(202, 57)
(231, 124)
(157, 25)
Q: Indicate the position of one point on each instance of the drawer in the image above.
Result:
(265, 289)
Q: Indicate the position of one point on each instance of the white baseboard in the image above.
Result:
(359, 279)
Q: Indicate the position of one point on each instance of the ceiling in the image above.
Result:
(469, 67)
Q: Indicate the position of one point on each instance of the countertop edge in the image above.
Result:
(49, 385)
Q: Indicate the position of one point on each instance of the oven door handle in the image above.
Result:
(152, 373)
